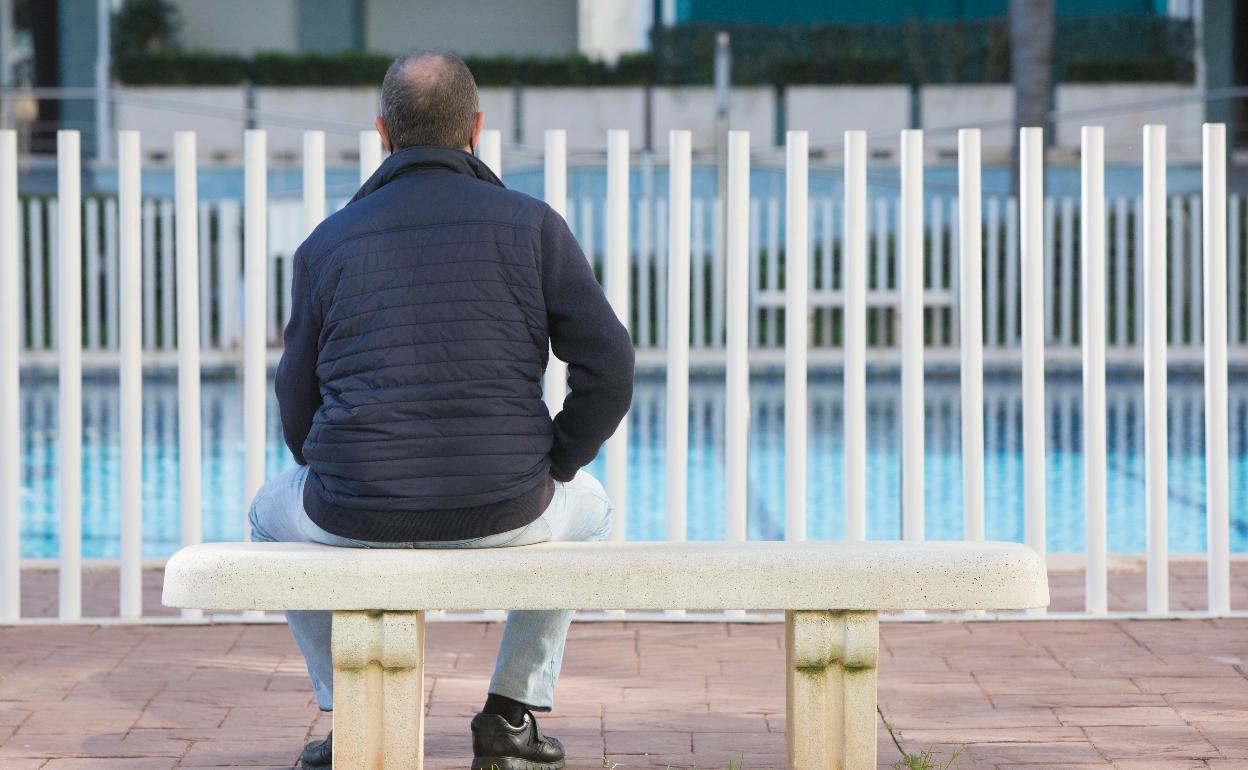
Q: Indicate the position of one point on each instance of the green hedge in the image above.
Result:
(181, 68)
(1134, 69)
(357, 68)
(1090, 49)
(1129, 47)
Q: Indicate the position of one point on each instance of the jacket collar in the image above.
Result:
(426, 158)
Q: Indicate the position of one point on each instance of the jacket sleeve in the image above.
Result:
(585, 333)
(298, 389)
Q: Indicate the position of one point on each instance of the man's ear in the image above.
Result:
(385, 135)
(476, 131)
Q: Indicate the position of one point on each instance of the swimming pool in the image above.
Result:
(224, 507)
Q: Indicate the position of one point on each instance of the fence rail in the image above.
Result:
(924, 273)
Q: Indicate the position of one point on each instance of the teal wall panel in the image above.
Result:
(883, 11)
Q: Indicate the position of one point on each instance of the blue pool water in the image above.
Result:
(224, 507)
(883, 179)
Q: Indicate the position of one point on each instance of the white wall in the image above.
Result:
(478, 27)
(238, 26)
(946, 108)
(160, 111)
(827, 112)
(693, 108)
(496, 103)
(340, 112)
(1124, 127)
(586, 113)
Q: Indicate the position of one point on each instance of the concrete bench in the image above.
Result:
(831, 593)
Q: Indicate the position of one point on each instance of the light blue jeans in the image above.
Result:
(532, 648)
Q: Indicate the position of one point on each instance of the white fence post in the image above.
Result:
(490, 150)
(130, 307)
(69, 344)
(555, 387)
(796, 318)
(167, 310)
(1092, 281)
(854, 282)
(187, 203)
(313, 180)
(737, 369)
(150, 315)
(1217, 440)
(1032, 260)
(370, 153)
(970, 270)
(615, 274)
(10, 416)
(91, 238)
(255, 300)
(38, 271)
(1155, 431)
(910, 267)
(677, 434)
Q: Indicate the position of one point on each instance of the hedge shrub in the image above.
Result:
(1089, 49)
(181, 68)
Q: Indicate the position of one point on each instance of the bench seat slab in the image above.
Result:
(830, 706)
(379, 694)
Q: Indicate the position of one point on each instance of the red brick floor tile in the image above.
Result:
(1008, 693)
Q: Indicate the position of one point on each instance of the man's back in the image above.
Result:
(411, 381)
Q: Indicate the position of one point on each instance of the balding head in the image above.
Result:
(429, 98)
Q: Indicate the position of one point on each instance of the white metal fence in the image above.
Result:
(219, 228)
(963, 276)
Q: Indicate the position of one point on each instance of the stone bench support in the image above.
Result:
(378, 598)
(379, 692)
(830, 711)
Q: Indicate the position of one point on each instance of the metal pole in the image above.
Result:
(131, 373)
(677, 435)
(912, 419)
(1092, 260)
(1155, 430)
(555, 386)
(370, 153)
(490, 150)
(615, 273)
(737, 399)
(797, 254)
(1216, 421)
(855, 283)
(313, 180)
(1031, 263)
(970, 272)
(10, 416)
(69, 342)
(255, 292)
(187, 204)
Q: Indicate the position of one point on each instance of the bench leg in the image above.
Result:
(379, 694)
(830, 687)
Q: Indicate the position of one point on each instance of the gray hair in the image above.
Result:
(429, 98)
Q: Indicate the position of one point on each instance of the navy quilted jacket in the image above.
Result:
(411, 379)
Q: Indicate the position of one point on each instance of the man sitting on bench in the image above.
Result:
(410, 387)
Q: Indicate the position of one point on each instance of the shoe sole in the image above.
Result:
(513, 763)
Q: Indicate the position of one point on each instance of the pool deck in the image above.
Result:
(1029, 693)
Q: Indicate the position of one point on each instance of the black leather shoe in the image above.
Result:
(318, 755)
(500, 745)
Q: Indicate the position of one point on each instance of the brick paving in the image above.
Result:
(1037, 693)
